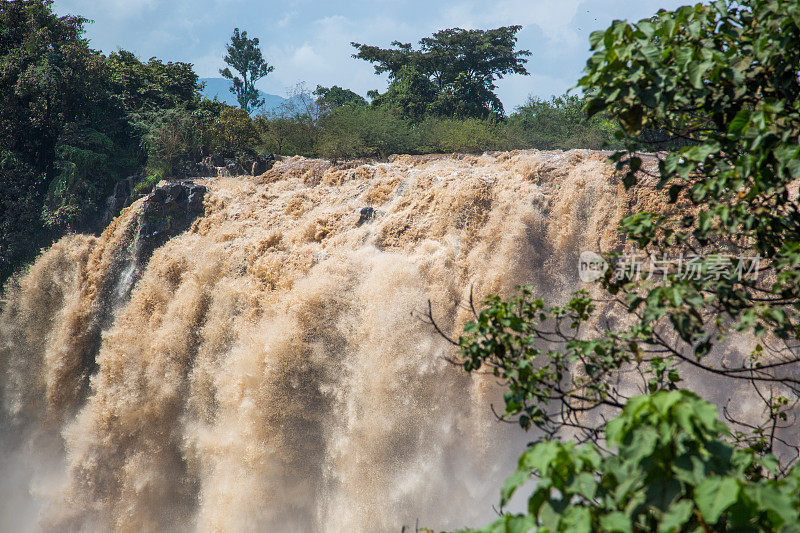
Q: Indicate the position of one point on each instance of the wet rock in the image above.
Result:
(365, 214)
(205, 169)
(262, 164)
(168, 211)
(118, 199)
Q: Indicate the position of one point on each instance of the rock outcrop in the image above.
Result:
(168, 211)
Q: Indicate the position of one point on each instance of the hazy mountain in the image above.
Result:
(220, 88)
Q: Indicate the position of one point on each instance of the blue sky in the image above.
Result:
(309, 40)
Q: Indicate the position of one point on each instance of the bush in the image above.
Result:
(86, 169)
(170, 139)
(232, 132)
(357, 131)
(673, 469)
(146, 184)
(294, 128)
(560, 123)
(292, 135)
(463, 135)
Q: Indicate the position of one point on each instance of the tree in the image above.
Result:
(561, 123)
(361, 131)
(67, 132)
(48, 76)
(245, 57)
(332, 97)
(154, 85)
(723, 77)
(672, 469)
(718, 75)
(460, 65)
(410, 92)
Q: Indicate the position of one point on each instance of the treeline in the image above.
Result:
(311, 126)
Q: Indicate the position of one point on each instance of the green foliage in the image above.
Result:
(86, 168)
(294, 129)
(232, 132)
(672, 469)
(48, 75)
(313, 128)
(332, 97)
(731, 192)
(66, 124)
(452, 74)
(149, 181)
(561, 122)
(245, 57)
(357, 131)
(142, 87)
(723, 79)
(463, 135)
(171, 139)
(410, 92)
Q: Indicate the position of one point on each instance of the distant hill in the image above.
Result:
(220, 88)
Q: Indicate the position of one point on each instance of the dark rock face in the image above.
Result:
(219, 166)
(168, 211)
(262, 164)
(204, 169)
(365, 214)
(118, 199)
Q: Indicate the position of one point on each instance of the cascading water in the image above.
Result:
(268, 369)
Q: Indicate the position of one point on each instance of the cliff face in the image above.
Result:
(269, 367)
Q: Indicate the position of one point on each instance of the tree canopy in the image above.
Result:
(244, 55)
(335, 96)
(452, 73)
(67, 115)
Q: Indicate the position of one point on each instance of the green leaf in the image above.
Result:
(675, 517)
(738, 123)
(616, 522)
(576, 519)
(513, 482)
(696, 74)
(512, 524)
(714, 495)
(585, 485)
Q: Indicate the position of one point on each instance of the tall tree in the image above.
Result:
(245, 57)
(461, 66)
(153, 85)
(66, 124)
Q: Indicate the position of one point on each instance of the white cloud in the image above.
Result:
(286, 19)
(552, 18)
(112, 9)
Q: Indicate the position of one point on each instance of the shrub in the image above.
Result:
(170, 139)
(462, 135)
(358, 131)
(672, 469)
(146, 184)
(560, 123)
(232, 132)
